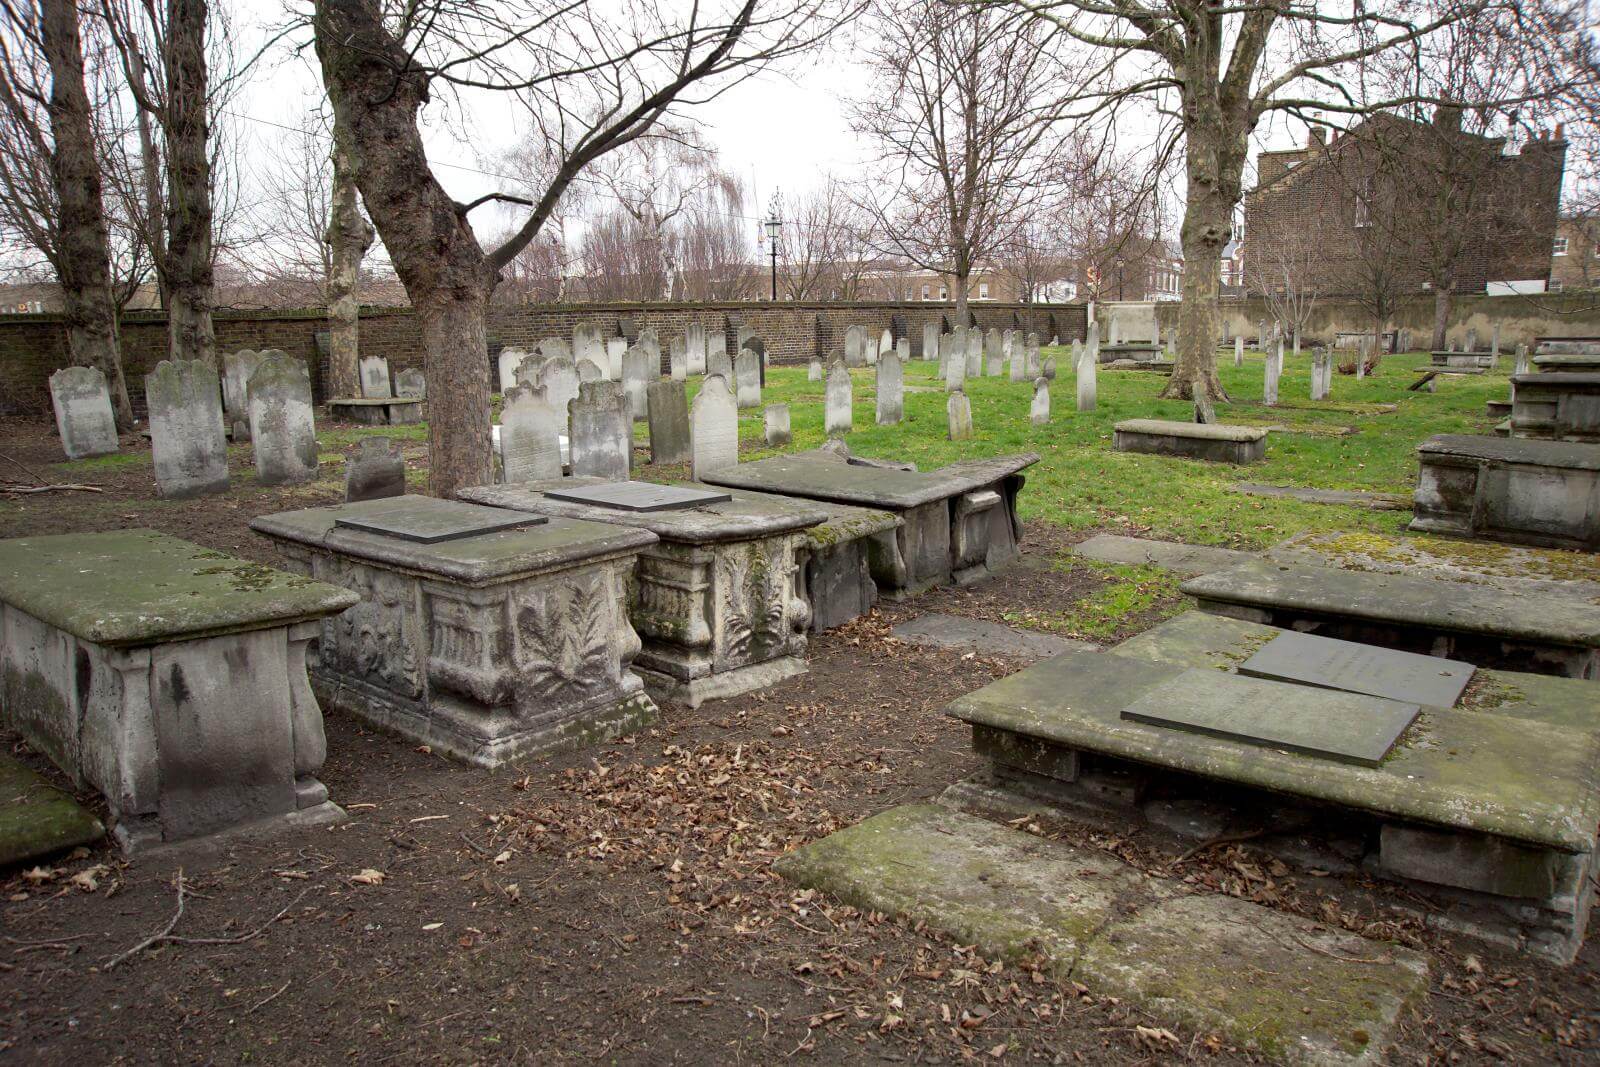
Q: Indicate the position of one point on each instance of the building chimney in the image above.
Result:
(1318, 136)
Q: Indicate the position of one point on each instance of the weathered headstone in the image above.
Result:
(637, 374)
(870, 349)
(958, 409)
(885, 342)
(1030, 346)
(814, 370)
(411, 383)
(1017, 361)
(282, 425)
(741, 334)
(955, 361)
(375, 383)
(1048, 370)
(678, 358)
(590, 371)
(694, 340)
(83, 412)
(993, 354)
(377, 470)
(1269, 387)
(600, 440)
(718, 359)
(187, 441)
(530, 441)
(1088, 378)
(747, 379)
(902, 348)
(1077, 354)
(650, 343)
(891, 389)
(855, 346)
(930, 341)
(974, 352)
(510, 360)
(1039, 411)
(1238, 351)
(777, 425)
(1522, 365)
(1494, 341)
(714, 428)
(616, 348)
(1321, 373)
(236, 370)
(838, 413)
(559, 380)
(668, 405)
(758, 347)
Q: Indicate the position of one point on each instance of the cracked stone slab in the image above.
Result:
(955, 631)
(1205, 961)
(1349, 497)
(1186, 560)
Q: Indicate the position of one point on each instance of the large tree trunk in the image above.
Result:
(349, 236)
(188, 184)
(1441, 315)
(434, 250)
(83, 251)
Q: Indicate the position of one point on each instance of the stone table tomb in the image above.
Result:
(170, 678)
(1216, 441)
(486, 635)
(1557, 405)
(1544, 493)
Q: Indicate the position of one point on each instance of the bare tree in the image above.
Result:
(625, 260)
(42, 45)
(963, 113)
(590, 84)
(716, 260)
(821, 249)
(1285, 271)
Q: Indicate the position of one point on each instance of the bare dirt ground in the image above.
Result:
(618, 903)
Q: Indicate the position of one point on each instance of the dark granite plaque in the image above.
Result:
(427, 520)
(1356, 668)
(639, 496)
(1347, 727)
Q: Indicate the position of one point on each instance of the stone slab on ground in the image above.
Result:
(1348, 497)
(1325, 662)
(1275, 983)
(1187, 560)
(36, 818)
(1214, 441)
(955, 631)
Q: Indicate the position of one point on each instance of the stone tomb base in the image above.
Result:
(1544, 493)
(486, 646)
(1217, 442)
(1484, 813)
(380, 411)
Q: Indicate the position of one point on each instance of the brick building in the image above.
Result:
(1438, 205)
(1575, 254)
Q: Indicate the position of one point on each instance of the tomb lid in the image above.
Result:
(1470, 769)
(742, 517)
(1567, 359)
(1329, 663)
(1421, 603)
(376, 401)
(639, 496)
(141, 587)
(1563, 454)
(1208, 431)
(427, 520)
(1553, 378)
(823, 476)
(481, 559)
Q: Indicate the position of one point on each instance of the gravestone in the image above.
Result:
(590, 371)
(510, 359)
(1521, 366)
(758, 348)
(1362, 348)
(559, 380)
(1091, 347)
(993, 354)
(1048, 370)
(375, 378)
(588, 342)
(958, 411)
(1494, 341)
(741, 334)
(838, 414)
(870, 349)
(1030, 345)
(668, 406)
(1088, 380)
(1077, 354)
(1018, 361)
(1269, 387)
(955, 362)
(236, 370)
(885, 342)
(777, 425)
(814, 370)
(974, 352)
(282, 426)
(1238, 351)
(650, 343)
(83, 412)
(1039, 412)
(678, 358)
(530, 442)
(855, 346)
(930, 341)
(1321, 373)
(600, 437)
(718, 361)
(377, 470)
(747, 379)
(714, 428)
(902, 348)
(891, 390)
(1329, 663)
(616, 348)
(639, 498)
(637, 374)
(411, 383)
(694, 341)
(187, 442)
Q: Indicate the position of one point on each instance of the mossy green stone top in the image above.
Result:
(141, 587)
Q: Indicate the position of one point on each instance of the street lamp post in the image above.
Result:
(774, 227)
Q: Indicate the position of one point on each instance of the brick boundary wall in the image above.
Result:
(32, 347)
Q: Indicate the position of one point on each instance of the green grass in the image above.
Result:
(1128, 591)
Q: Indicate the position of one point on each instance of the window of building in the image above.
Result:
(944, 293)
(983, 290)
(925, 292)
(1561, 247)
(1555, 286)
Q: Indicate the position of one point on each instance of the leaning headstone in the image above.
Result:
(678, 358)
(959, 412)
(777, 425)
(590, 371)
(714, 428)
(83, 412)
(891, 389)
(855, 346)
(814, 370)
(282, 426)
(694, 340)
(993, 354)
(616, 348)
(1269, 387)
(236, 370)
(668, 405)
(1039, 412)
(1048, 370)
(600, 438)
(1088, 381)
(411, 384)
(747, 379)
(930, 341)
(377, 470)
(838, 414)
(1238, 351)
(636, 376)
(375, 378)
(187, 441)
(530, 436)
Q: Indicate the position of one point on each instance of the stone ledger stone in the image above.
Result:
(84, 418)
(187, 442)
(1544, 493)
(600, 437)
(714, 428)
(668, 409)
(283, 427)
(376, 471)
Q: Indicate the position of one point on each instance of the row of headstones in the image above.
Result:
(372, 375)
(696, 351)
(839, 398)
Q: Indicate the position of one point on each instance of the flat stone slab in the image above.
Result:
(1346, 727)
(1469, 769)
(1187, 560)
(640, 496)
(955, 631)
(140, 587)
(1570, 455)
(1516, 568)
(1201, 431)
(1347, 497)
(427, 520)
(1328, 663)
(37, 819)
(1277, 984)
(823, 476)
(740, 517)
(1568, 361)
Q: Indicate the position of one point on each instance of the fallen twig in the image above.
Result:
(29, 471)
(153, 938)
(166, 934)
(261, 1004)
(1212, 842)
(16, 489)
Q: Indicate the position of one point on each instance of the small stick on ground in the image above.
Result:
(1212, 842)
(153, 938)
(166, 934)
